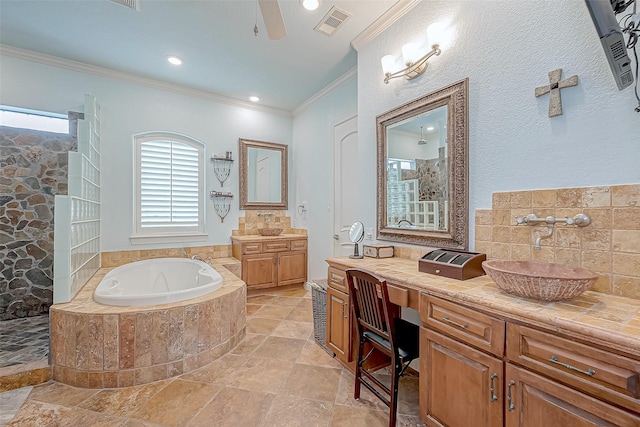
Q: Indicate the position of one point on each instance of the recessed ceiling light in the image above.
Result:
(310, 4)
(174, 60)
(254, 98)
(430, 128)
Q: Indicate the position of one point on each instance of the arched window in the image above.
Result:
(169, 190)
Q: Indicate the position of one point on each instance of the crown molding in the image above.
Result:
(326, 90)
(109, 73)
(394, 13)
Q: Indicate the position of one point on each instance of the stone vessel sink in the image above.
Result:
(269, 231)
(541, 281)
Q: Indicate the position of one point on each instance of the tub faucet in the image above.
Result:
(579, 220)
(197, 258)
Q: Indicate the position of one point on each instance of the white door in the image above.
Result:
(345, 184)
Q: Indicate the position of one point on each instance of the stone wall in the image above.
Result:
(33, 169)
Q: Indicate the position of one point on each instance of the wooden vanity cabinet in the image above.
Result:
(272, 262)
(461, 375)
(338, 316)
(477, 369)
(457, 381)
(534, 401)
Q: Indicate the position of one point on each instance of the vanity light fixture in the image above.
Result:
(413, 58)
(422, 141)
(310, 4)
(174, 60)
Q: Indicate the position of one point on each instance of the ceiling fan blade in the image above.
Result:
(272, 19)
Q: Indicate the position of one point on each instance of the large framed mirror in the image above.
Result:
(423, 170)
(263, 175)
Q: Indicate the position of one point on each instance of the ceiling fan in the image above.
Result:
(272, 17)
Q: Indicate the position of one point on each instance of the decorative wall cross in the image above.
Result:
(555, 84)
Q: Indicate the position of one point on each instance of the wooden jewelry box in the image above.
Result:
(452, 263)
(377, 251)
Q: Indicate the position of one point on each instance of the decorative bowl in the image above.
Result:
(540, 281)
(269, 231)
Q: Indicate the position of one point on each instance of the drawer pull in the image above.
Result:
(492, 389)
(511, 405)
(555, 360)
(459, 325)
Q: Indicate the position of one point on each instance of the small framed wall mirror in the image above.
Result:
(423, 170)
(263, 175)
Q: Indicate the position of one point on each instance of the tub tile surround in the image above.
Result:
(96, 346)
(117, 258)
(609, 246)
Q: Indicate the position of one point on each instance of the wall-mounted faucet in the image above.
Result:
(579, 220)
(265, 214)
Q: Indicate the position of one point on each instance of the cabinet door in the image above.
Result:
(338, 330)
(460, 386)
(537, 401)
(259, 270)
(292, 268)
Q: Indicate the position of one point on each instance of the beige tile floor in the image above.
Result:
(277, 376)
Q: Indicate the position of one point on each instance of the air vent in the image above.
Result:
(332, 21)
(131, 4)
(618, 50)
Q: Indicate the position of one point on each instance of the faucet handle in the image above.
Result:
(519, 220)
(581, 220)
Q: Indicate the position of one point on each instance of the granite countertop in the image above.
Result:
(259, 238)
(608, 320)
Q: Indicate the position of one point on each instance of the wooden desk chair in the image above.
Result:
(386, 333)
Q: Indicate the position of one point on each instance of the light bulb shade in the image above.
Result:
(174, 60)
(388, 64)
(436, 33)
(310, 4)
(410, 53)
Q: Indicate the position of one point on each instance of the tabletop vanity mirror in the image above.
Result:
(422, 170)
(263, 175)
(356, 234)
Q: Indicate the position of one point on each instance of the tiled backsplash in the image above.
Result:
(610, 245)
(251, 222)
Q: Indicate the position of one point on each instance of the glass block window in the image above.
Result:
(169, 184)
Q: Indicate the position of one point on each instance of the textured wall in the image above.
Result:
(33, 169)
(506, 48)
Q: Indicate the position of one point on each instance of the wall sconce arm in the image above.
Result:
(414, 69)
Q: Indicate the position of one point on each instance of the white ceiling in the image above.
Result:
(214, 37)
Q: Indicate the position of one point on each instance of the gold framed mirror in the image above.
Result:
(263, 175)
(423, 170)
